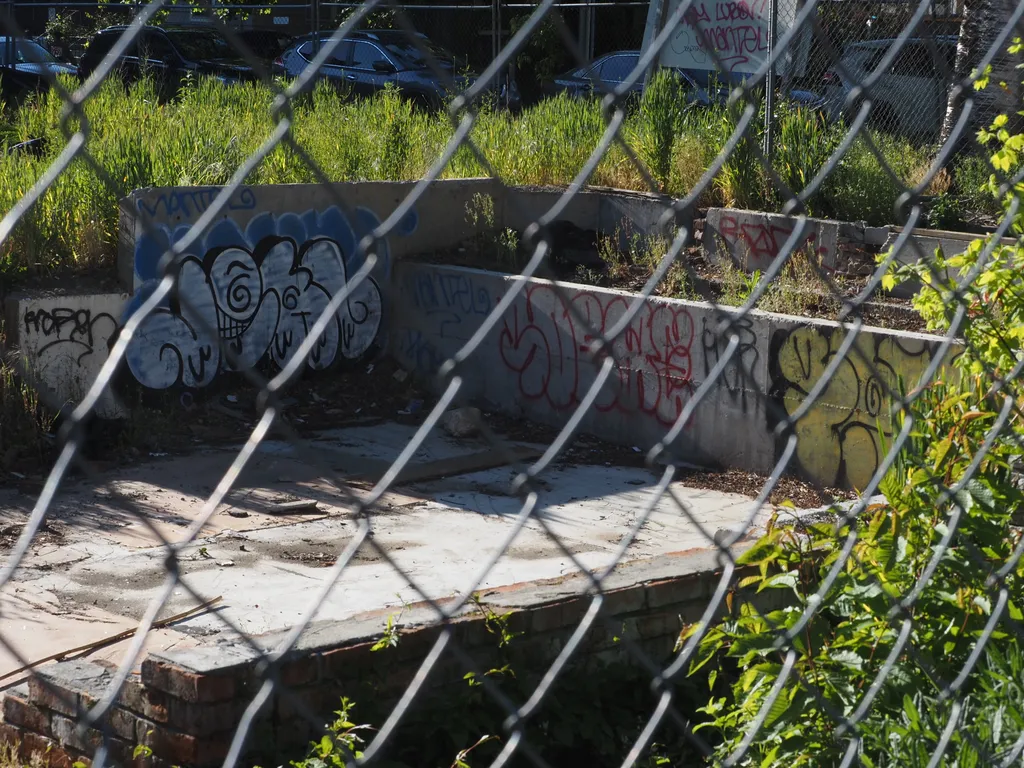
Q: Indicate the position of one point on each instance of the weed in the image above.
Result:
(460, 759)
(392, 633)
(500, 244)
(803, 146)
(207, 132)
(24, 421)
(659, 122)
(799, 288)
(737, 285)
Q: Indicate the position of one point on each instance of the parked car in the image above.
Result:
(66, 50)
(266, 44)
(611, 70)
(24, 66)
(368, 61)
(704, 87)
(169, 55)
(719, 85)
(909, 97)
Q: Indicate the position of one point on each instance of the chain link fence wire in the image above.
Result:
(879, 70)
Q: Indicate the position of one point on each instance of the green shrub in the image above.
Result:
(888, 608)
(209, 130)
(803, 144)
(659, 122)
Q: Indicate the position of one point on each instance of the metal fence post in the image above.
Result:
(769, 86)
(314, 23)
(9, 35)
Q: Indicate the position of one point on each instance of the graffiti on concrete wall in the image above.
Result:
(254, 295)
(840, 440)
(547, 348)
(739, 375)
(454, 304)
(66, 340)
(75, 332)
(191, 202)
(755, 240)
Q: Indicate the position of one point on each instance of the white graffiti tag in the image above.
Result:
(260, 303)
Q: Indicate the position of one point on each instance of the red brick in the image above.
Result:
(299, 671)
(624, 601)
(49, 696)
(66, 733)
(316, 701)
(123, 723)
(659, 625)
(48, 751)
(206, 719)
(148, 702)
(565, 614)
(188, 685)
(10, 734)
(347, 662)
(672, 592)
(18, 711)
(186, 749)
(413, 643)
(470, 632)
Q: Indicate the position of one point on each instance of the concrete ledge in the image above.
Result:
(187, 704)
(535, 363)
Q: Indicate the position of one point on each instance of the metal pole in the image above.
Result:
(657, 12)
(314, 23)
(769, 89)
(495, 30)
(9, 52)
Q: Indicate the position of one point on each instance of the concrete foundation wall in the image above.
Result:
(64, 340)
(277, 255)
(752, 240)
(535, 364)
(186, 704)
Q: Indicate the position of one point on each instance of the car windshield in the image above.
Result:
(202, 44)
(25, 52)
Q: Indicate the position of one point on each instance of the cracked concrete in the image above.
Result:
(101, 573)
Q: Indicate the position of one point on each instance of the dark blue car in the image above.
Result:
(368, 61)
(24, 67)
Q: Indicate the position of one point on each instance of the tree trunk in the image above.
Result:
(982, 22)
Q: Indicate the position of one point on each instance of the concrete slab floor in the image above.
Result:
(95, 570)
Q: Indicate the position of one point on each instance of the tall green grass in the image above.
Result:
(203, 136)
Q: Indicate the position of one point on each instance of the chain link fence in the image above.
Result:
(897, 639)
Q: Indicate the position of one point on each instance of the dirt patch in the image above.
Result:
(50, 532)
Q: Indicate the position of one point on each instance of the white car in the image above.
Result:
(909, 97)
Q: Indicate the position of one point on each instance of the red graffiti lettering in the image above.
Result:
(737, 33)
(757, 242)
(548, 348)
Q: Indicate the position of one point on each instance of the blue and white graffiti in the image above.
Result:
(262, 290)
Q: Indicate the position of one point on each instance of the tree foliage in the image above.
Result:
(899, 634)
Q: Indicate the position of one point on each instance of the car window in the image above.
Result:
(366, 55)
(617, 68)
(410, 55)
(25, 51)
(914, 60)
(157, 48)
(98, 47)
(202, 44)
(339, 57)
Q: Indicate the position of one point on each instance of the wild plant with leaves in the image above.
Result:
(894, 638)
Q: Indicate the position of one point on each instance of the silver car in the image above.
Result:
(909, 97)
